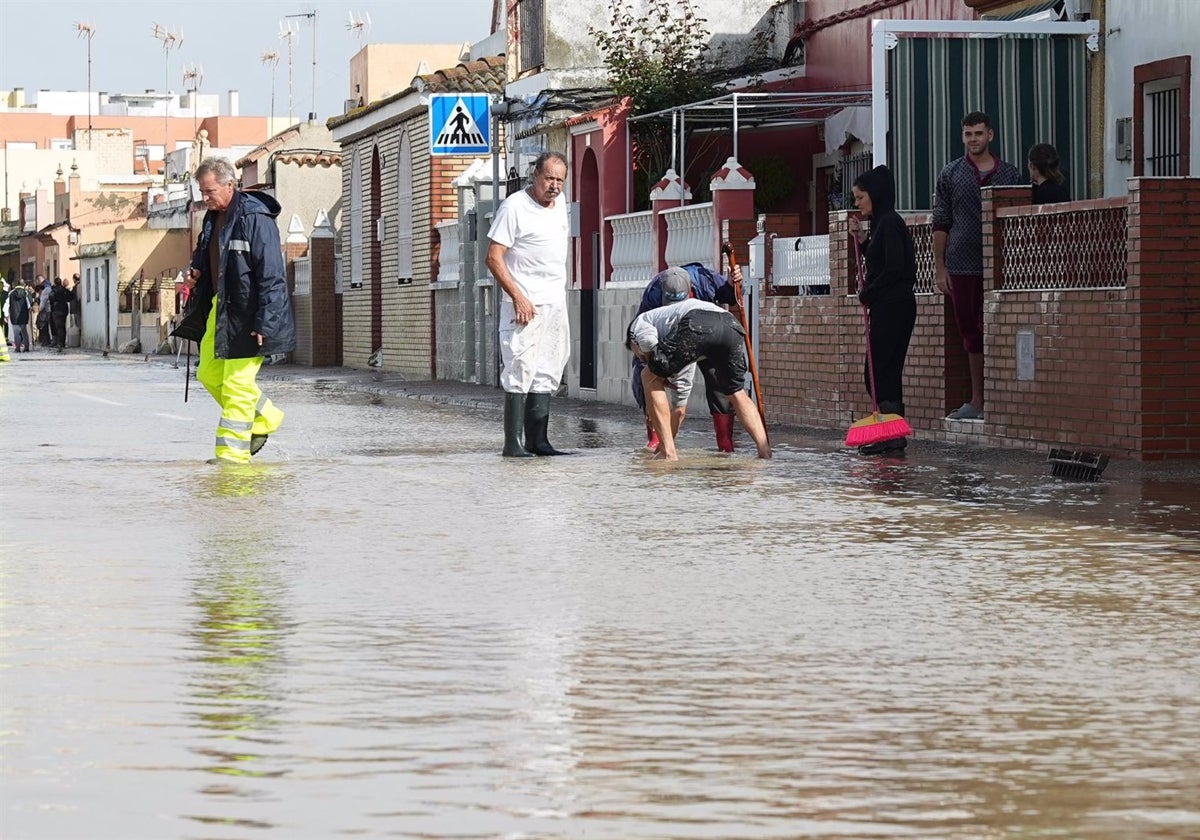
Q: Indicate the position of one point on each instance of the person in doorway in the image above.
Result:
(60, 308)
(670, 338)
(671, 286)
(1049, 185)
(958, 242)
(20, 305)
(887, 293)
(237, 277)
(528, 257)
(76, 289)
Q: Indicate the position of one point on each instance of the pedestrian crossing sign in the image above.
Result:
(459, 124)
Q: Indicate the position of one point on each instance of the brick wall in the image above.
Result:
(318, 314)
(407, 311)
(1164, 282)
(1115, 370)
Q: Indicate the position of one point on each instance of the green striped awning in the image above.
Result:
(1035, 9)
(1033, 88)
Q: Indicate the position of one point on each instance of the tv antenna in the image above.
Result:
(312, 17)
(88, 30)
(287, 32)
(271, 57)
(360, 25)
(170, 41)
(193, 77)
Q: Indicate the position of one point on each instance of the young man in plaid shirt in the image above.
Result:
(958, 242)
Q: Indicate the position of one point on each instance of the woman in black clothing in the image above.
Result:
(1048, 183)
(886, 291)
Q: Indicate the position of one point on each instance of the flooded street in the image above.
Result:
(381, 628)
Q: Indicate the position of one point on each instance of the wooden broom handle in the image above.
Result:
(727, 250)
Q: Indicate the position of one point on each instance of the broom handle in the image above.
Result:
(858, 259)
(727, 248)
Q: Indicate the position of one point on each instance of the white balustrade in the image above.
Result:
(632, 257)
(801, 261)
(450, 254)
(690, 235)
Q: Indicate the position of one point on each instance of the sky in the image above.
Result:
(41, 48)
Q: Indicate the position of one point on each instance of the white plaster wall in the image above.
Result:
(1139, 32)
(569, 46)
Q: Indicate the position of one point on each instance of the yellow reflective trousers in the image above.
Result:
(244, 410)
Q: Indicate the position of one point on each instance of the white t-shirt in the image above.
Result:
(653, 324)
(536, 238)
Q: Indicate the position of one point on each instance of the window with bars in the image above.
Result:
(1162, 117)
(1162, 127)
(531, 20)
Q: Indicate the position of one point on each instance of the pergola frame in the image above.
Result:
(741, 111)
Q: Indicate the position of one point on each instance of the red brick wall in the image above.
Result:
(326, 305)
(1164, 284)
(1115, 370)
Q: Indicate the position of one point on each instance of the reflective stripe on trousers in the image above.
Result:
(245, 411)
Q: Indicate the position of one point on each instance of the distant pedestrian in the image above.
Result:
(1049, 184)
(60, 308)
(958, 242)
(42, 320)
(20, 305)
(4, 290)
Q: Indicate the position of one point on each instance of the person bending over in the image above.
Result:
(670, 338)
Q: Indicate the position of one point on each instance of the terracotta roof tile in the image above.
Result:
(309, 158)
(480, 75)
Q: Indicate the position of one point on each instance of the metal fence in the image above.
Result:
(801, 261)
(839, 191)
(1063, 248)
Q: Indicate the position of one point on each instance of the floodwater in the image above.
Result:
(383, 629)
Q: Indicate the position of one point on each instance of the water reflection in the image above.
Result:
(239, 598)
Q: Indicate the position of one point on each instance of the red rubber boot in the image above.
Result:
(651, 436)
(723, 428)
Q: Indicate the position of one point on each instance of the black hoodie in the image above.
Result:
(891, 262)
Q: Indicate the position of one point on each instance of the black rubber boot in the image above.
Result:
(537, 420)
(890, 407)
(514, 423)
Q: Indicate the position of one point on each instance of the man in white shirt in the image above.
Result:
(528, 257)
(670, 338)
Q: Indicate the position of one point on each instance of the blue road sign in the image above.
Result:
(459, 124)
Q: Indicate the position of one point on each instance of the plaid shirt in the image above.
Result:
(957, 209)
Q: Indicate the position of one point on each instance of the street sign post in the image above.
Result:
(459, 124)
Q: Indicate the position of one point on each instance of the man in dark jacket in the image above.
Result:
(60, 308)
(239, 283)
(20, 304)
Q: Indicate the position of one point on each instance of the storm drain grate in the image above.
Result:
(1078, 465)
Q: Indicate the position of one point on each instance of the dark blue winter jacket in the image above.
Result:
(706, 285)
(251, 286)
